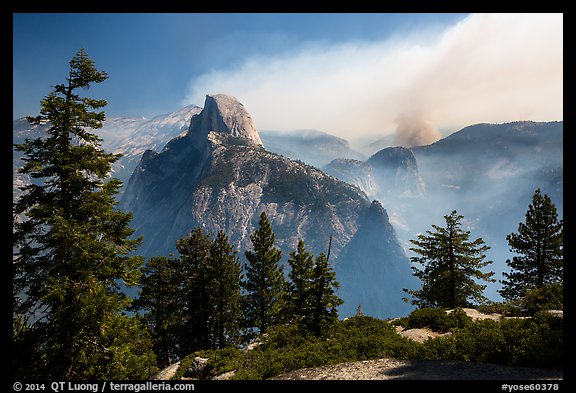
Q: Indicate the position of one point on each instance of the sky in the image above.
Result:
(357, 76)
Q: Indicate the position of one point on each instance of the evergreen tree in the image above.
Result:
(72, 247)
(193, 302)
(301, 264)
(324, 301)
(451, 264)
(539, 241)
(227, 313)
(160, 299)
(264, 284)
(196, 293)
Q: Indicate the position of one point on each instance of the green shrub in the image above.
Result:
(436, 319)
(483, 341)
(532, 342)
(538, 341)
(535, 342)
(457, 319)
(509, 309)
(358, 338)
(549, 297)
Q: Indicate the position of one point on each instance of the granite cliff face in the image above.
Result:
(396, 171)
(222, 114)
(389, 174)
(356, 172)
(219, 176)
(363, 267)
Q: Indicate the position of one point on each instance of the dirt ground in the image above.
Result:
(384, 369)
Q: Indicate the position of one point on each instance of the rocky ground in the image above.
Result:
(390, 369)
(385, 369)
(167, 373)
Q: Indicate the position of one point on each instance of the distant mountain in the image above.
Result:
(390, 173)
(489, 172)
(314, 147)
(220, 177)
(132, 137)
(356, 172)
(211, 167)
(361, 279)
(492, 153)
(126, 135)
(396, 172)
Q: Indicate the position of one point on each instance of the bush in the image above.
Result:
(483, 342)
(509, 309)
(539, 341)
(358, 338)
(436, 319)
(457, 319)
(533, 342)
(549, 297)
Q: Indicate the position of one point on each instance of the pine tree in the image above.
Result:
(160, 299)
(324, 301)
(196, 293)
(72, 247)
(264, 284)
(299, 287)
(227, 313)
(193, 302)
(539, 241)
(451, 264)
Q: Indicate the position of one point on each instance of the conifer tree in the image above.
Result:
(196, 292)
(264, 283)
(72, 247)
(227, 308)
(301, 273)
(539, 241)
(451, 266)
(324, 301)
(193, 302)
(160, 299)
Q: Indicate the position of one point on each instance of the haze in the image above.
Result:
(486, 68)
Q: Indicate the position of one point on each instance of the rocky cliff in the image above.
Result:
(396, 171)
(219, 176)
(389, 174)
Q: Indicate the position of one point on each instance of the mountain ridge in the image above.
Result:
(227, 180)
(469, 165)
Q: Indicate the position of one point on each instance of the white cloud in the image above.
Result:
(486, 68)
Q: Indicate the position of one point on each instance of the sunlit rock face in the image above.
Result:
(219, 176)
(222, 114)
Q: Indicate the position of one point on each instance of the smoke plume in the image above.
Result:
(414, 130)
(491, 68)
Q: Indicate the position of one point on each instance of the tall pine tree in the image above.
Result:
(451, 266)
(196, 291)
(324, 304)
(299, 291)
(160, 298)
(539, 241)
(193, 302)
(264, 284)
(227, 307)
(72, 247)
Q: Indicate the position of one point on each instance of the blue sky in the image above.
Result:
(333, 72)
